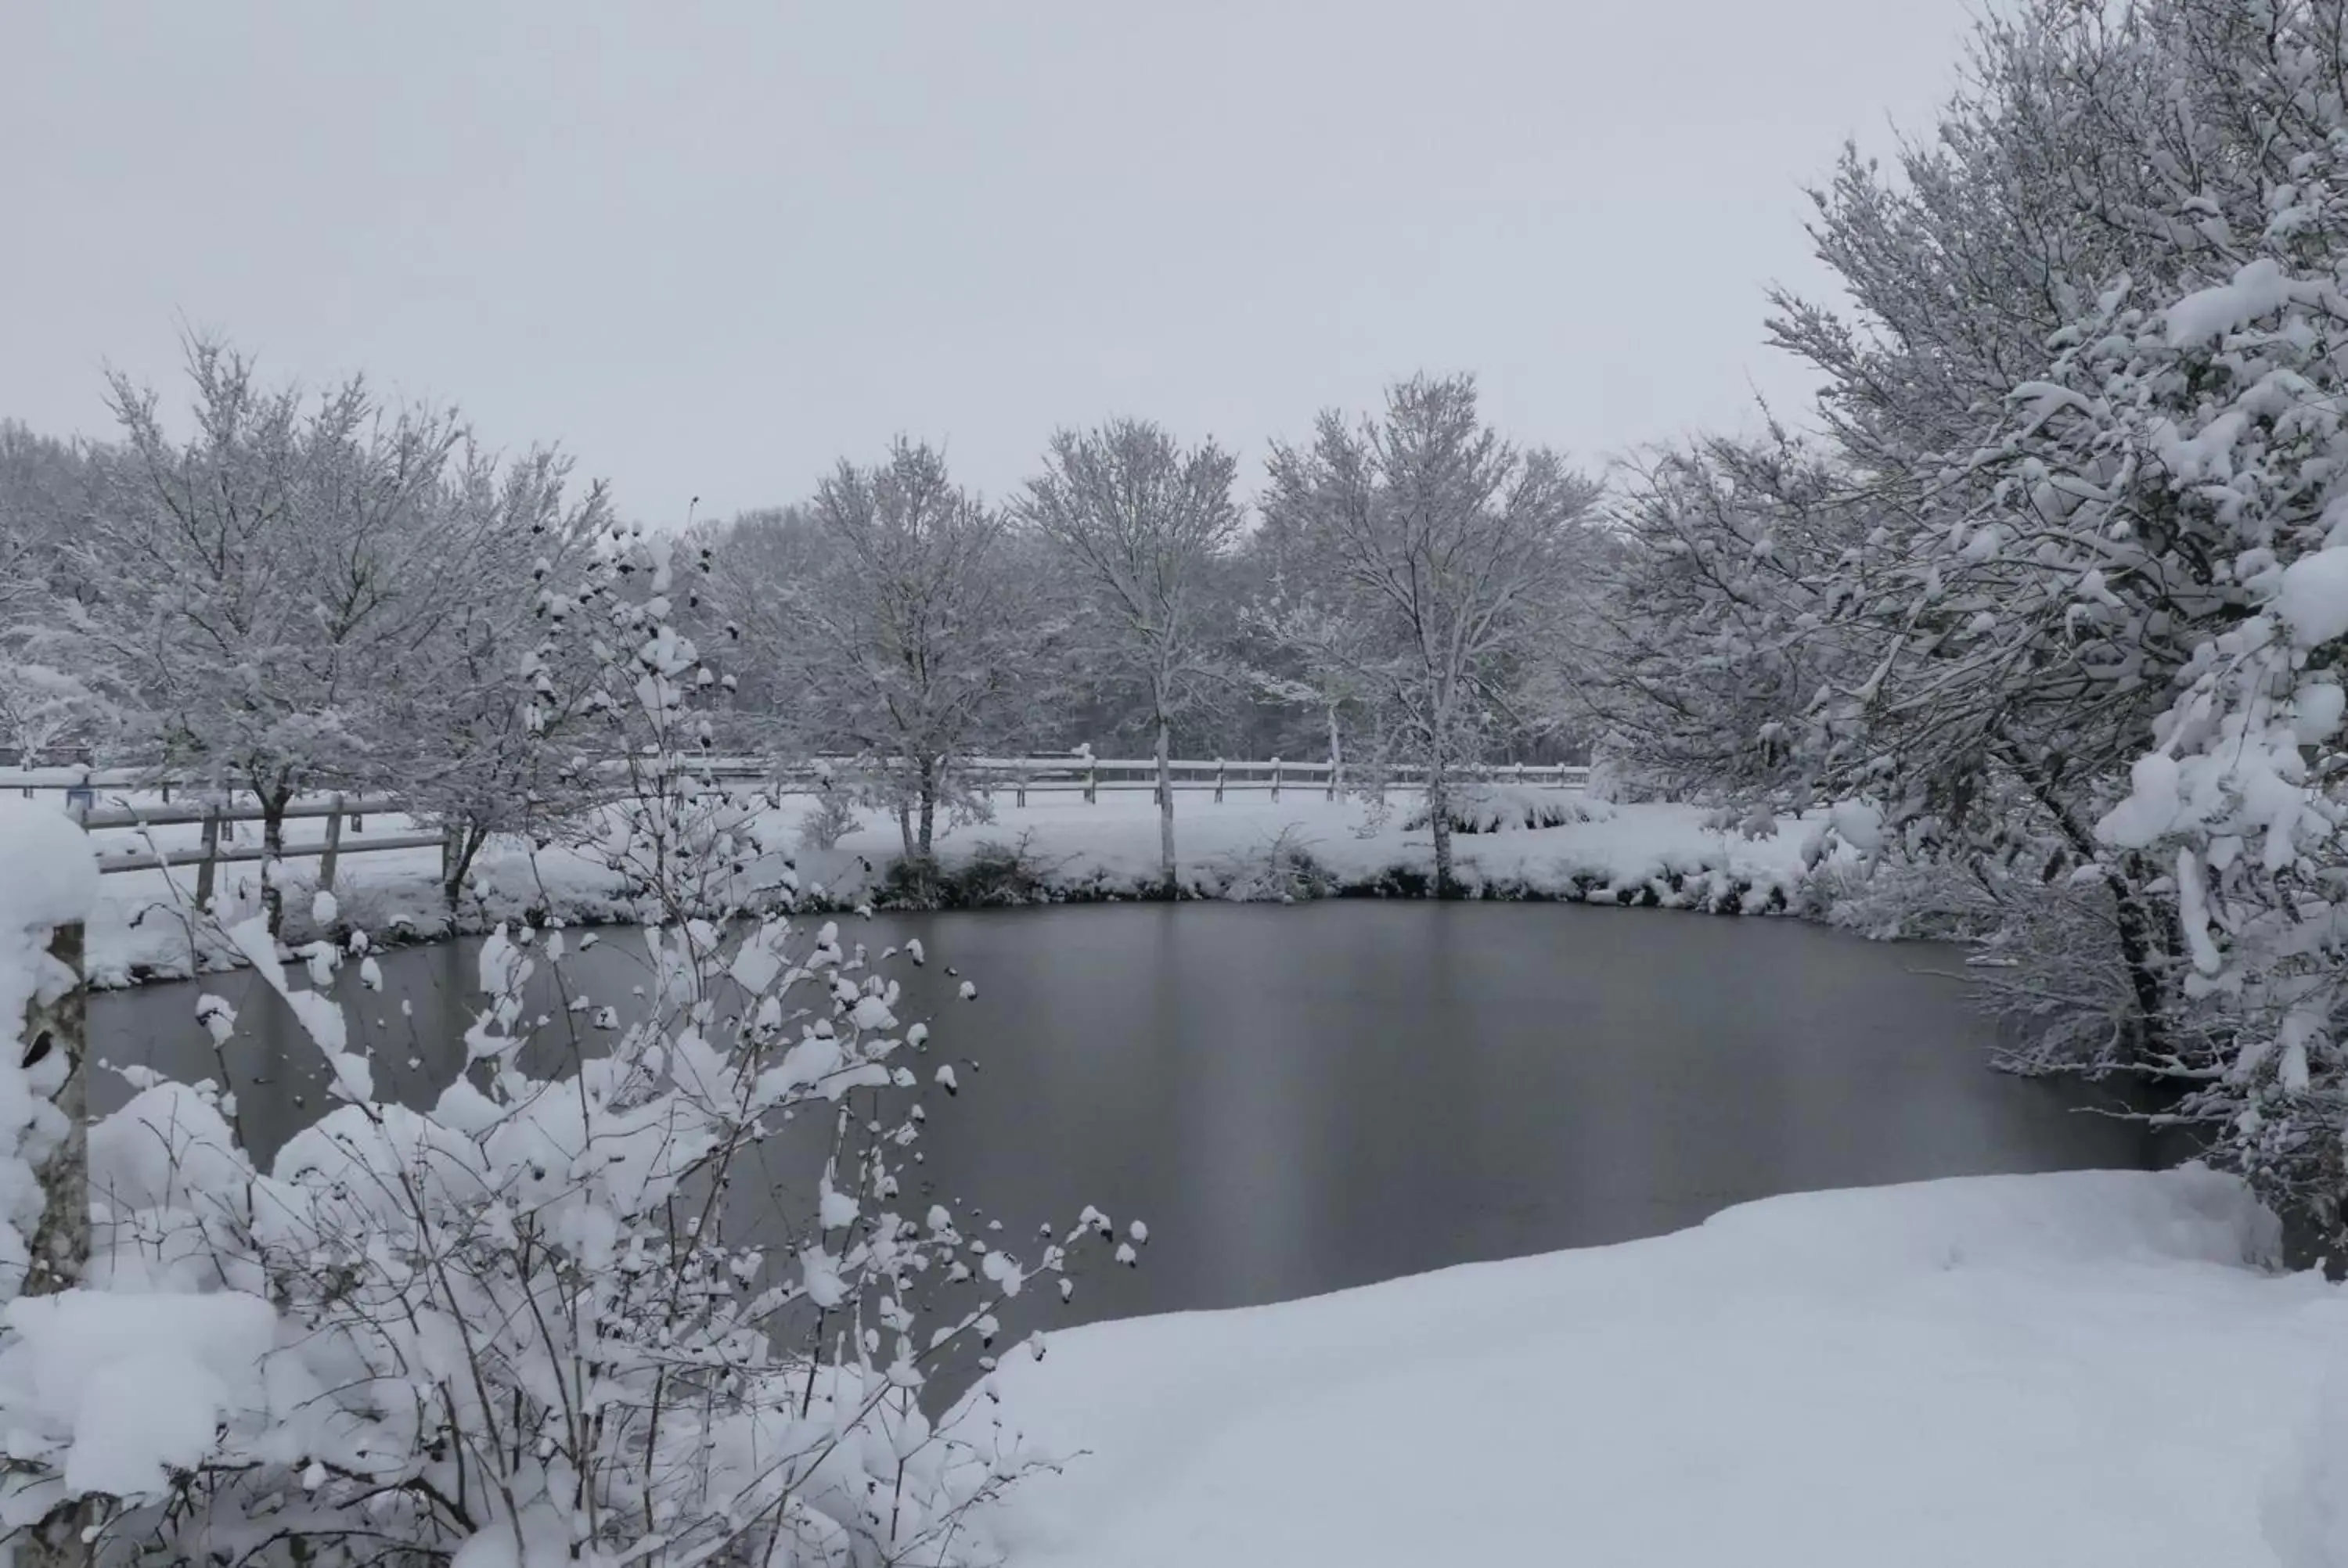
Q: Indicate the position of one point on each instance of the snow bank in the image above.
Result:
(1247, 846)
(2082, 1368)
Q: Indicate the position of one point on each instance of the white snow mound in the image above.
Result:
(2091, 1369)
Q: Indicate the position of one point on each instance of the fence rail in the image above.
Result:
(1091, 776)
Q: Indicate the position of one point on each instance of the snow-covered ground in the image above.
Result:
(1227, 847)
(2080, 1369)
(1244, 846)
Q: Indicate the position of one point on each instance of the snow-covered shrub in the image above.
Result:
(523, 1314)
(833, 818)
(531, 1321)
(1282, 870)
(1002, 874)
(1902, 897)
(1510, 808)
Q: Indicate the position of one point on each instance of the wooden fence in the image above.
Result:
(345, 816)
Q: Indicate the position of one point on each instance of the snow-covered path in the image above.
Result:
(2075, 1370)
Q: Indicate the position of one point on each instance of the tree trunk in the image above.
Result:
(1336, 757)
(1439, 818)
(467, 841)
(928, 803)
(2140, 950)
(1165, 813)
(273, 803)
(2138, 921)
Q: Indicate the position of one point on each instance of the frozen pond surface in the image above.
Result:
(1302, 1099)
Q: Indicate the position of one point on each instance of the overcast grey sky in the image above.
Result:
(712, 248)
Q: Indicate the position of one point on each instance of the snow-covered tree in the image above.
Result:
(1315, 656)
(1140, 523)
(483, 726)
(45, 487)
(891, 614)
(2089, 402)
(1450, 543)
(1699, 641)
(266, 583)
(761, 564)
(41, 705)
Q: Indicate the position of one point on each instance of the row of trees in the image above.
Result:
(2059, 590)
(313, 591)
(1396, 591)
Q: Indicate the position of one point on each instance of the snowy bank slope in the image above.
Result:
(2078, 1370)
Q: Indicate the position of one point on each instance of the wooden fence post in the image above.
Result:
(1091, 783)
(1218, 780)
(208, 868)
(1275, 778)
(334, 846)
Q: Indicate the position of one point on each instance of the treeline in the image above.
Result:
(323, 590)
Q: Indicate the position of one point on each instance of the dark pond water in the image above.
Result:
(1302, 1099)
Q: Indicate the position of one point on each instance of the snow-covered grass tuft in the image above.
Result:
(1511, 808)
